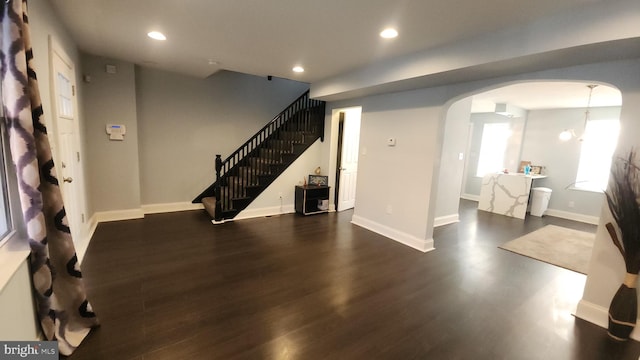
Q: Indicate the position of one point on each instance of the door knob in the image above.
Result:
(67, 179)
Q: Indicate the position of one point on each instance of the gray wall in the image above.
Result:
(456, 135)
(395, 183)
(114, 177)
(184, 121)
(512, 155)
(542, 146)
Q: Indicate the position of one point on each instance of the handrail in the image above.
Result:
(275, 118)
(265, 148)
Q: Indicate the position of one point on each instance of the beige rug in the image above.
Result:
(560, 246)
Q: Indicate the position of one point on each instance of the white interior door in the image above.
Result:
(349, 159)
(67, 157)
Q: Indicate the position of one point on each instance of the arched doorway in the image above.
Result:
(535, 113)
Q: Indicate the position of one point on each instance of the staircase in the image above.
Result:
(248, 171)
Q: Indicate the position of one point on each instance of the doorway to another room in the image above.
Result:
(66, 146)
(347, 157)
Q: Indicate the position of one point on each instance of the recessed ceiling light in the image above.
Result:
(298, 69)
(389, 33)
(156, 35)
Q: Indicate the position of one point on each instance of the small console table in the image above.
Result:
(312, 199)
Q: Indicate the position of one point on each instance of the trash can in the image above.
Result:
(540, 200)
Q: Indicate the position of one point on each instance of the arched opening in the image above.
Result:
(533, 115)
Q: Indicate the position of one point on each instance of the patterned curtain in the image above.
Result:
(63, 310)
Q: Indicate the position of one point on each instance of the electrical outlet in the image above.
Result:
(389, 209)
(572, 204)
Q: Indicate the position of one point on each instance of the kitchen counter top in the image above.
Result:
(506, 194)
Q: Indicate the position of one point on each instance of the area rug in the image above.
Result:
(556, 245)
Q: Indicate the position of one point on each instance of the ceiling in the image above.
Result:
(327, 37)
(547, 95)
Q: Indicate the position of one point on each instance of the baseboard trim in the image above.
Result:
(393, 234)
(594, 220)
(93, 225)
(91, 229)
(592, 313)
(599, 315)
(470, 197)
(170, 207)
(118, 215)
(266, 211)
(446, 220)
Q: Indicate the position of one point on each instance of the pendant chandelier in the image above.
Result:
(568, 134)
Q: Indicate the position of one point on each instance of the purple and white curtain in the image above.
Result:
(63, 310)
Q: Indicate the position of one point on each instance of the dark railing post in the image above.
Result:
(321, 114)
(263, 151)
(218, 216)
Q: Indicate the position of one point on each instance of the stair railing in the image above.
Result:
(304, 114)
(218, 208)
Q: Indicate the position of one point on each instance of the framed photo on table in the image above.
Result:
(318, 180)
(536, 170)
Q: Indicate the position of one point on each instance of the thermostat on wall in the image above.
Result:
(116, 132)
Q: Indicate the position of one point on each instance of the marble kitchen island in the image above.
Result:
(506, 194)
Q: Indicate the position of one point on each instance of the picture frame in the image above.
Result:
(318, 180)
(536, 170)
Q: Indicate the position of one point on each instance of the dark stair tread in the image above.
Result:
(251, 175)
(209, 204)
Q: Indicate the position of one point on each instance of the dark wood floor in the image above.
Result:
(174, 286)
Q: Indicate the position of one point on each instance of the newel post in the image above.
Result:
(218, 216)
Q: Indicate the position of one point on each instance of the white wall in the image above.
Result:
(185, 121)
(451, 166)
(17, 309)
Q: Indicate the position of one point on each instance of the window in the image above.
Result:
(598, 144)
(5, 219)
(493, 147)
(6, 226)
